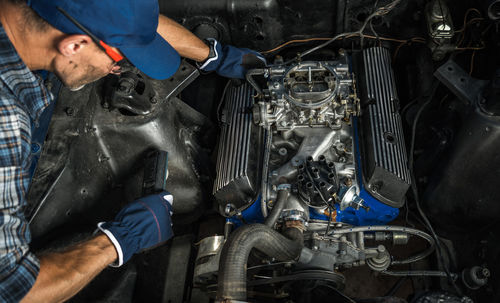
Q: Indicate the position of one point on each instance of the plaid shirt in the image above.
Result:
(23, 97)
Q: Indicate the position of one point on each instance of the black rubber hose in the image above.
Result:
(251, 80)
(278, 207)
(233, 262)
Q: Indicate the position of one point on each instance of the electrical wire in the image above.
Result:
(466, 24)
(407, 42)
(415, 123)
(472, 63)
(293, 42)
(409, 104)
(470, 48)
(375, 5)
(375, 33)
(474, 49)
(403, 42)
(471, 21)
(339, 36)
(383, 10)
(407, 215)
(413, 39)
(330, 210)
(415, 190)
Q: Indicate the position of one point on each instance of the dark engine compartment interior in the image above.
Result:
(436, 64)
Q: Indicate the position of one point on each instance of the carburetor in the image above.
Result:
(308, 94)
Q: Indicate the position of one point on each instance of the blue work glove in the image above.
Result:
(231, 62)
(142, 224)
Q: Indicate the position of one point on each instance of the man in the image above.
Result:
(81, 41)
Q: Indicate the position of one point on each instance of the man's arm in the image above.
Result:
(63, 274)
(227, 61)
(142, 224)
(182, 40)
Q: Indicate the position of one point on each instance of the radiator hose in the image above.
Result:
(232, 284)
(281, 200)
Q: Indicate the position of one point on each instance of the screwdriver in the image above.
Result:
(106, 48)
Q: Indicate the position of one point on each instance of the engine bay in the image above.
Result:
(359, 165)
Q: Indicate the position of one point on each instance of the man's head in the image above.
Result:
(127, 27)
(79, 61)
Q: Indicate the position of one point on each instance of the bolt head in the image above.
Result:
(227, 209)
(70, 111)
(485, 272)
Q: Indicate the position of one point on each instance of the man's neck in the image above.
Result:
(32, 45)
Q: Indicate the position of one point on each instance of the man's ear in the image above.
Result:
(73, 44)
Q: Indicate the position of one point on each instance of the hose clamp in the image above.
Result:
(284, 187)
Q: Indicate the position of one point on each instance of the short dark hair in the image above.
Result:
(33, 20)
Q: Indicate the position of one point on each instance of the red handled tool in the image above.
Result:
(106, 48)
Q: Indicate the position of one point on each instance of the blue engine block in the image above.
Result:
(378, 213)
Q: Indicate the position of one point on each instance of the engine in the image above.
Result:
(308, 150)
(306, 129)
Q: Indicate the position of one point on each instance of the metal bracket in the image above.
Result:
(466, 88)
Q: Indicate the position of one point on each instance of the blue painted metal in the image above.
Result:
(252, 214)
(379, 213)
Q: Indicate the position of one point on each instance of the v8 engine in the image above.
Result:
(337, 144)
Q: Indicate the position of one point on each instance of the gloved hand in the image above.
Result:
(231, 62)
(142, 224)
